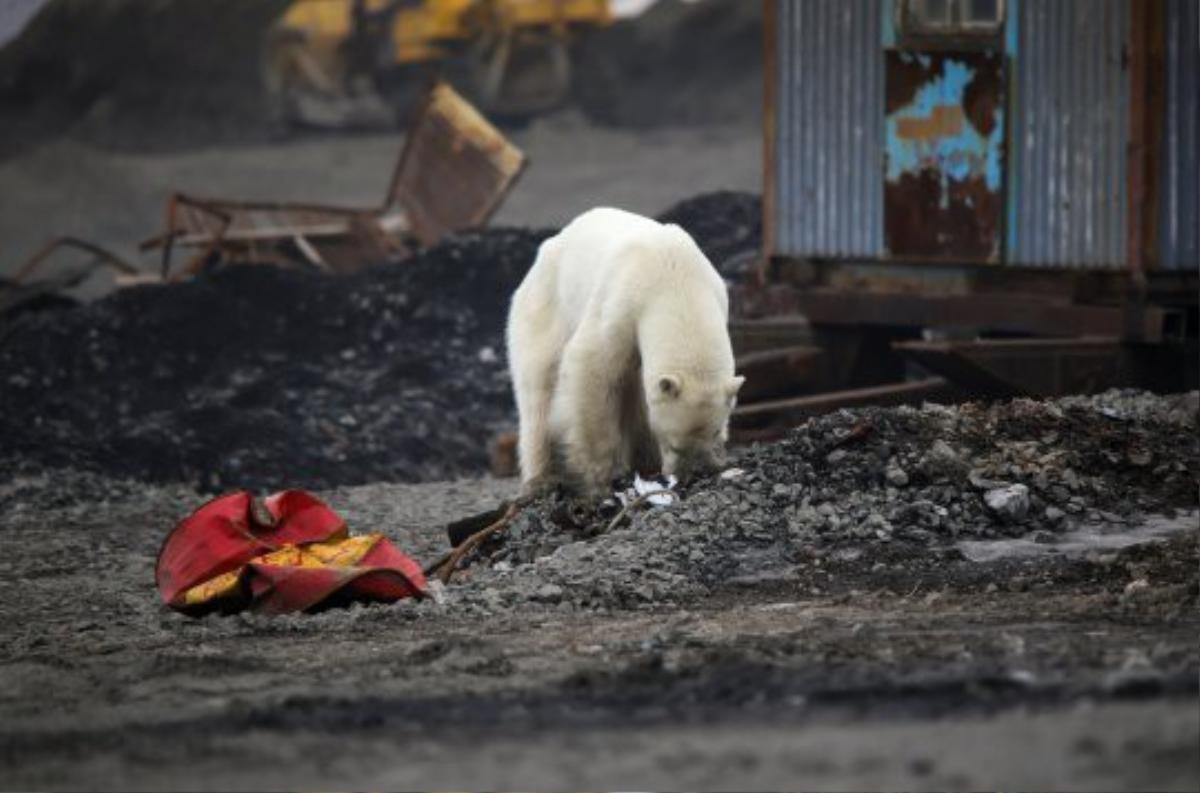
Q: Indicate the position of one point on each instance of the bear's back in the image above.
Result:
(614, 255)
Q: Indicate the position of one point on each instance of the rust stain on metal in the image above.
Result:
(960, 220)
(943, 196)
(906, 75)
(983, 97)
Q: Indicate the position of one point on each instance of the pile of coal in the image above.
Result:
(261, 377)
(727, 225)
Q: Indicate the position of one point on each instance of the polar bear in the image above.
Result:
(619, 353)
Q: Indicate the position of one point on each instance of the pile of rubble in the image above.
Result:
(261, 377)
(904, 481)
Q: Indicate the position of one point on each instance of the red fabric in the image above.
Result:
(225, 535)
(279, 590)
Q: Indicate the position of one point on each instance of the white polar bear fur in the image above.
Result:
(619, 352)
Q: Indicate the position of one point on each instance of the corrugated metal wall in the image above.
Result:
(1070, 128)
(830, 129)
(1179, 229)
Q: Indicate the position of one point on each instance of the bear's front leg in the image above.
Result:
(588, 414)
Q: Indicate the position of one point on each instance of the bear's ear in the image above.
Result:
(669, 386)
(731, 389)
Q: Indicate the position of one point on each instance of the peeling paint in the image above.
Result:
(944, 150)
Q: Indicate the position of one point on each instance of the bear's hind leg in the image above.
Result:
(587, 408)
(535, 345)
(535, 448)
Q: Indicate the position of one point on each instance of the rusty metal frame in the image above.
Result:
(226, 212)
(470, 124)
(770, 420)
(371, 226)
(102, 255)
(1005, 368)
(777, 372)
(992, 312)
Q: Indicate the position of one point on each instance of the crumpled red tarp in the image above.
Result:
(291, 554)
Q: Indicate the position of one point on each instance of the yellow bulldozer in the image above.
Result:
(345, 63)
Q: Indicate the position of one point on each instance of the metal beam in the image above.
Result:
(771, 419)
(1003, 368)
(1002, 313)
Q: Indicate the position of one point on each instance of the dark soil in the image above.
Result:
(259, 377)
(727, 226)
(807, 610)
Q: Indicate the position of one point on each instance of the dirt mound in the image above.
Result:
(131, 74)
(260, 377)
(677, 64)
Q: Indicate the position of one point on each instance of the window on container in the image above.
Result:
(954, 17)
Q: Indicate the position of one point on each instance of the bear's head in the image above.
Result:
(689, 417)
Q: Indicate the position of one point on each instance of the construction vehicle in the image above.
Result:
(347, 63)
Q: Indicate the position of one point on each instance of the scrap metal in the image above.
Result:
(453, 172)
(22, 288)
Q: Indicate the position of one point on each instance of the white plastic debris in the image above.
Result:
(658, 491)
(732, 473)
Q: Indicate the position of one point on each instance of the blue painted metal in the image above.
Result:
(829, 134)
(1011, 15)
(888, 23)
(956, 156)
(1070, 128)
(1179, 205)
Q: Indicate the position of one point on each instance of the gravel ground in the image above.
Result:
(814, 616)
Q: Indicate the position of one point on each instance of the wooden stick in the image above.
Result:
(637, 502)
(444, 567)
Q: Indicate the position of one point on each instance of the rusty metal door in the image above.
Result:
(944, 156)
